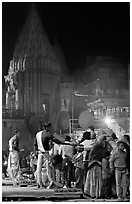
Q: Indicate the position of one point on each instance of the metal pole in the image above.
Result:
(72, 122)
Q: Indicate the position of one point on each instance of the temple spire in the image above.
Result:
(34, 43)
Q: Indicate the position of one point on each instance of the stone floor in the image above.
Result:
(29, 192)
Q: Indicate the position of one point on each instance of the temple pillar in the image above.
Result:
(7, 98)
(16, 99)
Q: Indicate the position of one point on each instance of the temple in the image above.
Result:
(34, 93)
(34, 73)
(39, 89)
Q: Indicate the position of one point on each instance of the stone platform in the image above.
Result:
(28, 191)
(25, 190)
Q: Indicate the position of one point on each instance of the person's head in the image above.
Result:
(91, 128)
(86, 136)
(102, 140)
(67, 138)
(17, 133)
(47, 126)
(121, 145)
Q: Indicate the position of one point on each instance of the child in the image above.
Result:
(33, 163)
(118, 163)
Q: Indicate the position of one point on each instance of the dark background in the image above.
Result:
(82, 29)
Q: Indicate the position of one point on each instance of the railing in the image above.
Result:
(17, 114)
(115, 112)
(74, 125)
(12, 114)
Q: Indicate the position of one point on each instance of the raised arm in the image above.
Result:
(11, 142)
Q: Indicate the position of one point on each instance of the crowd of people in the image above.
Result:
(98, 164)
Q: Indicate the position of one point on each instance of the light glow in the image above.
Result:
(108, 120)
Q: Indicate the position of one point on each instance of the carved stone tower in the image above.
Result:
(37, 70)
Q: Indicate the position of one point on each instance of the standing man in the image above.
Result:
(42, 145)
(67, 151)
(13, 159)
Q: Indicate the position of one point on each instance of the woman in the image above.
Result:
(93, 182)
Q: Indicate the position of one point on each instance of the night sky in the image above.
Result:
(82, 29)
